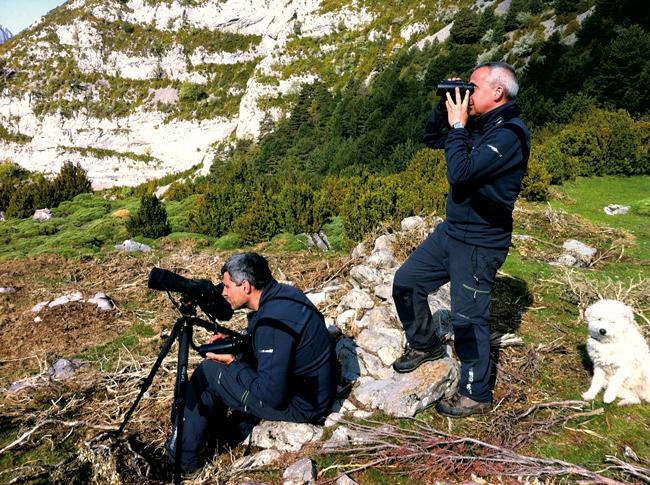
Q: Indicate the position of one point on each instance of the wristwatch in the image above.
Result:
(458, 124)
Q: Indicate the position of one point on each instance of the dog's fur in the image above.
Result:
(619, 352)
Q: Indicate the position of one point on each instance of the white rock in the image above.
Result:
(616, 209)
(285, 436)
(373, 365)
(2, 216)
(345, 480)
(361, 250)
(383, 258)
(257, 460)
(131, 246)
(42, 215)
(7, 290)
(386, 343)
(345, 318)
(403, 395)
(384, 242)
(565, 260)
(583, 253)
(39, 306)
(65, 299)
(412, 223)
(103, 302)
(300, 473)
(355, 299)
(385, 292)
(365, 275)
(318, 298)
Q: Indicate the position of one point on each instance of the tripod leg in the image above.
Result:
(179, 394)
(149, 379)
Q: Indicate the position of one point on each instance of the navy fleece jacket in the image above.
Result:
(486, 163)
(292, 359)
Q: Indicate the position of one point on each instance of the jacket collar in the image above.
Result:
(495, 117)
(269, 291)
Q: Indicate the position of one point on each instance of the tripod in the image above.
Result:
(182, 331)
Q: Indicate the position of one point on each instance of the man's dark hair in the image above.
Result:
(248, 266)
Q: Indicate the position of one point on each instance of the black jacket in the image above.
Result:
(292, 360)
(486, 163)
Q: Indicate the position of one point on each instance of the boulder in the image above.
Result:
(383, 259)
(366, 276)
(413, 223)
(103, 302)
(384, 242)
(616, 210)
(356, 299)
(403, 395)
(319, 240)
(7, 289)
(379, 317)
(65, 299)
(132, 246)
(345, 480)
(300, 473)
(386, 343)
(385, 292)
(583, 253)
(42, 215)
(284, 436)
(373, 365)
(361, 250)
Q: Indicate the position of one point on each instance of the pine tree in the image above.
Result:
(150, 220)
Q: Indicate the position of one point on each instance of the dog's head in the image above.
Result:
(609, 319)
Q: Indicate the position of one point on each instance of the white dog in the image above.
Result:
(619, 352)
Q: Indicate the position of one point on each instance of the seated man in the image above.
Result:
(290, 372)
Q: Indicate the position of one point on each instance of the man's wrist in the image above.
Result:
(458, 124)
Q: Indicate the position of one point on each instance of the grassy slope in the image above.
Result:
(531, 298)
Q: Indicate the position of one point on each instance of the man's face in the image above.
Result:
(236, 295)
(485, 96)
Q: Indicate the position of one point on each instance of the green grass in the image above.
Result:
(593, 194)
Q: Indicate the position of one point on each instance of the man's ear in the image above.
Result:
(247, 287)
(499, 93)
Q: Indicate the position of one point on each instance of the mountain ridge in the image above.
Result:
(176, 81)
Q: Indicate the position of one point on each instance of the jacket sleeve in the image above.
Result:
(274, 349)
(437, 127)
(499, 151)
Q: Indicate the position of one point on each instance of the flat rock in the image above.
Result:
(133, 246)
(616, 210)
(284, 436)
(403, 395)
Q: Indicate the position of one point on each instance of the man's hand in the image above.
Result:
(223, 358)
(457, 111)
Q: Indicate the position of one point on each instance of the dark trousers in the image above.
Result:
(471, 271)
(211, 391)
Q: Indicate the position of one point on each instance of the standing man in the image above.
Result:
(487, 155)
(290, 372)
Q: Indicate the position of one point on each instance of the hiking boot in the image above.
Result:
(411, 359)
(458, 406)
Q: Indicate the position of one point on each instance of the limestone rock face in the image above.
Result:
(168, 145)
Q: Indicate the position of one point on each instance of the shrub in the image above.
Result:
(369, 202)
(536, 182)
(72, 180)
(423, 185)
(150, 220)
(257, 223)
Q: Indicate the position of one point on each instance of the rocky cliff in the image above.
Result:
(136, 89)
(5, 34)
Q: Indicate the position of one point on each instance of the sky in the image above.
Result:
(17, 15)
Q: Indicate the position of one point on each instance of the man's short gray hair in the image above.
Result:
(251, 267)
(503, 74)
